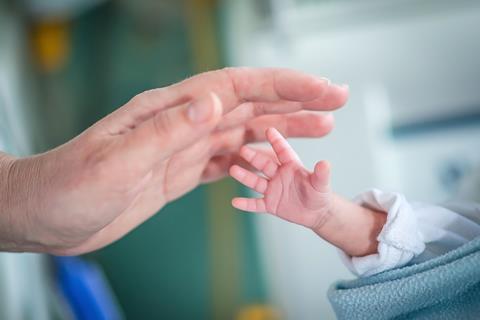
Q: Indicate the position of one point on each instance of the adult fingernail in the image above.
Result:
(199, 112)
(204, 109)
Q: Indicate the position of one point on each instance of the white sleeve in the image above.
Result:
(413, 231)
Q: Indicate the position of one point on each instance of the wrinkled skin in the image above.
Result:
(289, 190)
(94, 189)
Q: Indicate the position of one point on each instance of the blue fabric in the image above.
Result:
(446, 287)
(85, 289)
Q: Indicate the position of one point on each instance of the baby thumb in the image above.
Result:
(320, 177)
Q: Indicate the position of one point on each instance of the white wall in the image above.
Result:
(404, 61)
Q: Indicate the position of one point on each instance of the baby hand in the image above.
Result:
(289, 190)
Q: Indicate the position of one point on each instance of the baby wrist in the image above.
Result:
(351, 227)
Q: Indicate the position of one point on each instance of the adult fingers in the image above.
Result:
(276, 84)
(250, 110)
(334, 98)
(168, 132)
(299, 124)
(140, 108)
(238, 85)
(234, 86)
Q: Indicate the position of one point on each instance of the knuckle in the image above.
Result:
(145, 98)
(230, 73)
(162, 124)
(138, 99)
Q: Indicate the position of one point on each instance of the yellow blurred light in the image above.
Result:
(51, 44)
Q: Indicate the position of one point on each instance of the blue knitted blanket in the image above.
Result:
(446, 287)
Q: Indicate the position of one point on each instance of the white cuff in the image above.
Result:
(399, 241)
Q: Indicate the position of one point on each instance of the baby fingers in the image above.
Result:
(249, 204)
(249, 179)
(259, 161)
(320, 178)
(284, 151)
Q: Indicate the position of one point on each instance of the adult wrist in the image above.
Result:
(16, 196)
(6, 164)
(7, 231)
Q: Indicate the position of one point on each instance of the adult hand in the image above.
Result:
(97, 187)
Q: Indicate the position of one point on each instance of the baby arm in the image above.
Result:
(294, 194)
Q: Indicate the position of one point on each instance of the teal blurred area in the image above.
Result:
(113, 54)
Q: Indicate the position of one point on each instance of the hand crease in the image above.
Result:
(279, 199)
(233, 84)
(274, 85)
(165, 184)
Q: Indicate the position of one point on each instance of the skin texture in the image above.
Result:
(292, 193)
(97, 187)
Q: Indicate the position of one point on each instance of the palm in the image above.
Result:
(290, 191)
(167, 181)
(125, 196)
(186, 169)
(291, 196)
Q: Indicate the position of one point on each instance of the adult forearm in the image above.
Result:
(352, 228)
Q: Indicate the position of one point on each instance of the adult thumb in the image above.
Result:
(170, 131)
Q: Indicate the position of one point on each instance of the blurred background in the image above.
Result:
(412, 125)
